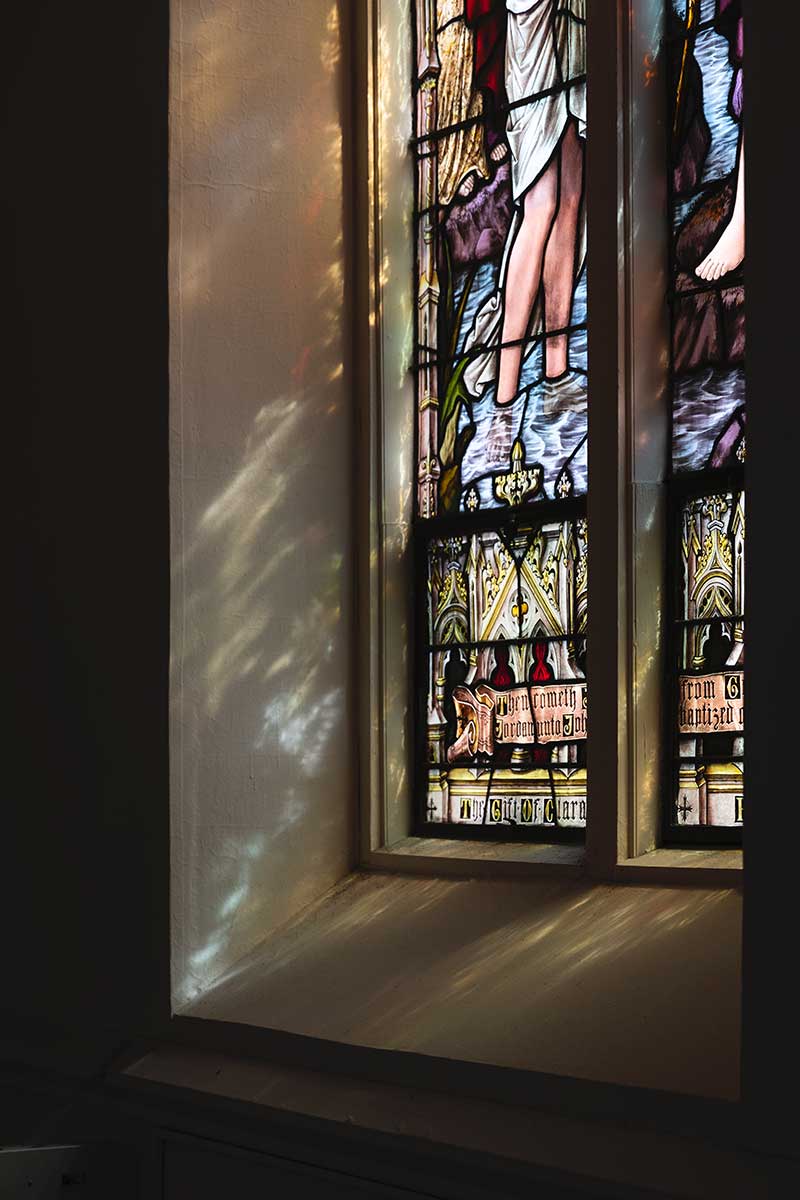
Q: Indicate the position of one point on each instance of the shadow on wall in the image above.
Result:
(262, 469)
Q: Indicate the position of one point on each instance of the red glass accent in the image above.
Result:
(502, 675)
(541, 671)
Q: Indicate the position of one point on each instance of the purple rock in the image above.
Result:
(477, 228)
(733, 310)
(701, 230)
(708, 319)
(723, 454)
(692, 155)
(697, 332)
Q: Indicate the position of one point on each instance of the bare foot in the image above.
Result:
(499, 151)
(500, 436)
(467, 186)
(726, 255)
(568, 392)
(728, 250)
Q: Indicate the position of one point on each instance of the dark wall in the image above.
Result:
(771, 1041)
(85, 865)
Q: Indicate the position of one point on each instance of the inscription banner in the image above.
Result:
(712, 703)
(535, 715)
(520, 810)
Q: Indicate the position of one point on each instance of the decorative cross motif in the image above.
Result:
(564, 484)
(431, 809)
(472, 500)
(521, 482)
(516, 609)
(683, 808)
(714, 507)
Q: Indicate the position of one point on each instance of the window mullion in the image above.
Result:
(608, 502)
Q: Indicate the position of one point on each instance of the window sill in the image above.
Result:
(701, 867)
(549, 977)
(453, 857)
(716, 868)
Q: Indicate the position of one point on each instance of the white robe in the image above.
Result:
(543, 50)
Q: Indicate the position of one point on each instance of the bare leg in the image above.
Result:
(559, 258)
(728, 250)
(524, 276)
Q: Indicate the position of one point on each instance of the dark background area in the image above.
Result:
(86, 877)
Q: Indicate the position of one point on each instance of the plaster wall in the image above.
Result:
(261, 443)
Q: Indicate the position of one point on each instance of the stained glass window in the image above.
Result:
(501, 392)
(705, 57)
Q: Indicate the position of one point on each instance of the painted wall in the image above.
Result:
(261, 437)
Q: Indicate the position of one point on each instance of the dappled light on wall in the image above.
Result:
(588, 980)
(262, 430)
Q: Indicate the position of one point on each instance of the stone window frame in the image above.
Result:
(627, 444)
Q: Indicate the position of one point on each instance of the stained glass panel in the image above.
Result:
(705, 51)
(501, 371)
(505, 701)
(705, 69)
(709, 767)
(501, 251)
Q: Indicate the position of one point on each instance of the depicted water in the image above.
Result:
(711, 52)
(705, 401)
(549, 418)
